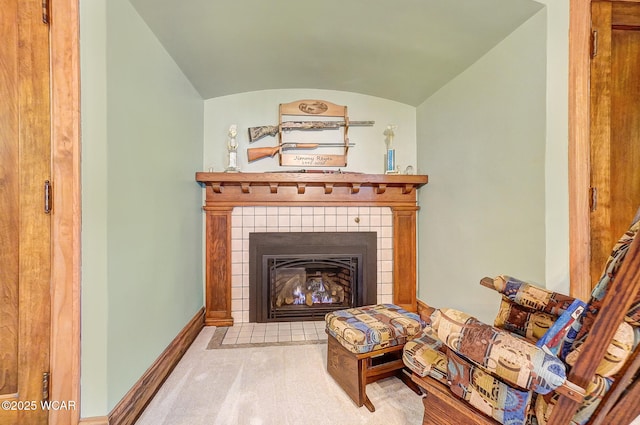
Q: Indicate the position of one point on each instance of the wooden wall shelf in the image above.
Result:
(224, 191)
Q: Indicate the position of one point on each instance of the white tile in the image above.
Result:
(295, 221)
(386, 266)
(295, 211)
(385, 299)
(283, 211)
(236, 304)
(284, 338)
(260, 221)
(236, 244)
(307, 210)
(342, 211)
(272, 211)
(329, 210)
(236, 268)
(236, 293)
(330, 221)
(385, 254)
(236, 221)
(318, 211)
(307, 220)
(297, 338)
(243, 341)
(260, 211)
(387, 220)
(318, 221)
(283, 221)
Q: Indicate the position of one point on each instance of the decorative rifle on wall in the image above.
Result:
(306, 108)
(257, 133)
(254, 154)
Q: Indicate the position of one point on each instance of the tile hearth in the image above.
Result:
(257, 333)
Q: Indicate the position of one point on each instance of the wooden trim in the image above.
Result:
(579, 151)
(96, 420)
(134, 402)
(218, 267)
(442, 407)
(299, 189)
(404, 257)
(65, 219)
(579, 146)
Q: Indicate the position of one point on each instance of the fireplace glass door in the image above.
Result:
(310, 286)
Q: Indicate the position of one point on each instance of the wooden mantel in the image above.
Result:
(224, 191)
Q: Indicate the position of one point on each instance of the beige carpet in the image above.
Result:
(273, 385)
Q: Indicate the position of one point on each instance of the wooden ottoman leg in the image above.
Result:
(348, 371)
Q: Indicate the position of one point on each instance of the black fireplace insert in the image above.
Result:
(305, 275)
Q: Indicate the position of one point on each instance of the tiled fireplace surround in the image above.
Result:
(245, 220)
(239, 204)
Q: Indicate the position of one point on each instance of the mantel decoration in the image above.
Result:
(305, 108)
(232, 148)
(390, 157)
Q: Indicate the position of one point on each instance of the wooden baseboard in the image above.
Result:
(96, 420)
(134, 402)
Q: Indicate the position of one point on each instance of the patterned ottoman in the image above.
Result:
(365, 345)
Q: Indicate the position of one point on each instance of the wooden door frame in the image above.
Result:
(579, 146)
(66, 220)
(66, 215)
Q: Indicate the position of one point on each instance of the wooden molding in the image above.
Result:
(579, 151)
(65, 219)
(134, 402)
(246, 189)
(405, 257)
(96, 420)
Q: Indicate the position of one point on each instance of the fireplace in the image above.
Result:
(304, 275)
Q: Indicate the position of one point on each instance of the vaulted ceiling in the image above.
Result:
(401, 50)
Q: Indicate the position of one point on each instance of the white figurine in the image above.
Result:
(232, 147)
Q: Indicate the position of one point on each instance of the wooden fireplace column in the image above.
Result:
(224, 191)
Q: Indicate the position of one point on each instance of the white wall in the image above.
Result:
(482, 142)
(142, 229)
(261, 108)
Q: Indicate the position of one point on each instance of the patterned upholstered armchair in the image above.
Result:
(546, 360)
